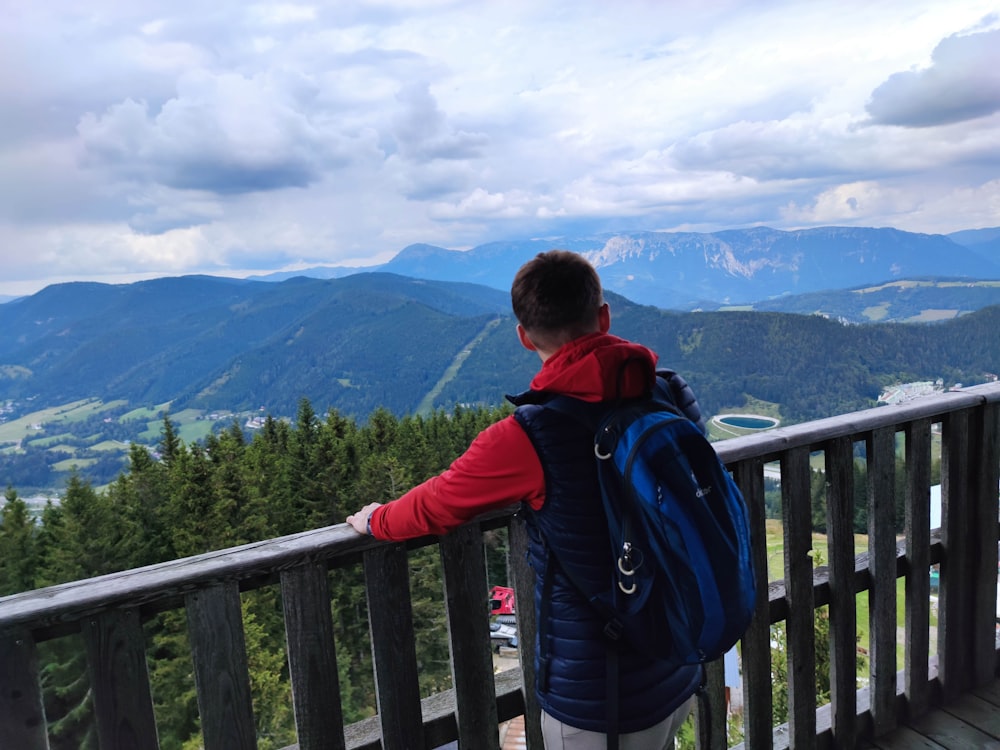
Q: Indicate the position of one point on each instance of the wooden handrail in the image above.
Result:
(108, 611)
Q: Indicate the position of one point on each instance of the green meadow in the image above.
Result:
(92, 437)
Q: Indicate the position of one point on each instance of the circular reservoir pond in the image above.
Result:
(747, 421)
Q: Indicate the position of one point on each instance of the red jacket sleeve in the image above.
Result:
(500, 468)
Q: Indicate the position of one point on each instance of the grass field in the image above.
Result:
(58, 430)
(66, 414)
(775, 569)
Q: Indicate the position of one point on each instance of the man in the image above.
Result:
(544, 459)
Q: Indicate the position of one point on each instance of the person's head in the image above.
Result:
(556, 298)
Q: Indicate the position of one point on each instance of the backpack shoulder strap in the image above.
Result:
(672, 389)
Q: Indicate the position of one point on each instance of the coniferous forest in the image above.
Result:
(226, 491)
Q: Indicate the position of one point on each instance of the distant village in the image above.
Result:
(903, 392)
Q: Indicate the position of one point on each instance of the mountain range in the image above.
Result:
(707, 271)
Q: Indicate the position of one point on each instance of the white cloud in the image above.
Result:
(962, 83)
(182, 137)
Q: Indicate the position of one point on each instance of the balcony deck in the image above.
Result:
(939, 691)
(973, 721)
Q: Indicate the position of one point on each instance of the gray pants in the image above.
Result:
(559, 736)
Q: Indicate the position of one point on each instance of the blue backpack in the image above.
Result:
(682, 584)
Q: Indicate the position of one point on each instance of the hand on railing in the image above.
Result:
(361, 521)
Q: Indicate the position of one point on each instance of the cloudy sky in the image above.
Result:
(148, 138)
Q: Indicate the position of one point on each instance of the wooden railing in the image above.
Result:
(108, 611)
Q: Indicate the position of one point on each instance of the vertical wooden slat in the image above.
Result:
(918, 540)
(882, 562)
(984, 477)
(954, 601)
(218, 648)
(843, 604)
(312, 657)
(387, 582)
(755, 647)
(465, 585)
(527, 628)
(710, 709)
(801, 636)
(119, 678)
(22, 710)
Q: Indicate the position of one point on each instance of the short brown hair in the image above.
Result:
(556, 297)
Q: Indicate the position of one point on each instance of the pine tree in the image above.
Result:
(140, 498)
(170, 442)
(18, 547)
(81, 540)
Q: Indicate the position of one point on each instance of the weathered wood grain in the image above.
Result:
(464, 563)
(218, 648)
(957, 567)
(917, 586)
(527, 625)
(119, 680)
(984, 482)
(756, 645)
(312, 657)
(387, 582)
(839, 457)
(800, 635)
(881, 449)
(22, 711)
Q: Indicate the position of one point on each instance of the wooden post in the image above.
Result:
(387, 581)
(312, 657)
(756, 644)
(984, 480)
(22, 711)
(710, 731)
(843, 604)
(527, 628)
(882, 571)
(957, 570)
(218, 647)
(467, 600)
(801, 635)
(918, 541)
(119, 678)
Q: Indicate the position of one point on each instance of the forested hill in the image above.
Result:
(357, 343)
(373, 340)
(810, 365)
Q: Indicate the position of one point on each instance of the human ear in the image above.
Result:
(604, 318)
(522, 336)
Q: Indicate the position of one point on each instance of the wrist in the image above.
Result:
(368, 524)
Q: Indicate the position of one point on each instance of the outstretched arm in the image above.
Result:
(499, 469)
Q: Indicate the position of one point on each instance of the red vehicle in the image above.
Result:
(502, 603)
(502, 619)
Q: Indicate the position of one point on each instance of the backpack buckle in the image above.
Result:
(626, 568)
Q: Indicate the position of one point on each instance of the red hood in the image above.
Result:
(587, 368)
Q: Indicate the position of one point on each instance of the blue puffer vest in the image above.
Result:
(571, 647)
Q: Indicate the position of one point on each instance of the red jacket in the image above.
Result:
(500, 467)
